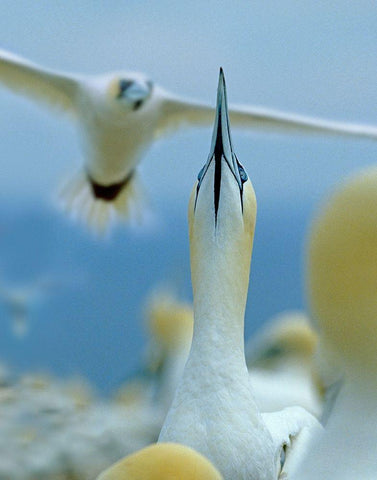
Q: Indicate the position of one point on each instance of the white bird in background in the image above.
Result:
(163, 461)
(281, 362)
(214, 410)
(342, 286)
(21, 300)
(279, 356)
(170, 324)
(119, 115)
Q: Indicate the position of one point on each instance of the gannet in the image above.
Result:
(163, 461)
(214, 410)
(170, 324)
(342, 285)
(280, 359)
(119, 115)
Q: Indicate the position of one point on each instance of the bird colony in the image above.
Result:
(297, 401)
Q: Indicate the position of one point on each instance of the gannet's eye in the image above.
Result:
(200, 174)
(134, 92)
(243, 174)
(124, 85)
(273, 352)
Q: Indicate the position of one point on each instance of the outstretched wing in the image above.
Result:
(26, 78)
(179, 112)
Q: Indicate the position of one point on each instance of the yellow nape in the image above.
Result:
(162, 461)
(342, 270)
(113, 89)
(170, 322)
(292, 331)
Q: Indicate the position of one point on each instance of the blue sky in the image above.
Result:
(313, 57)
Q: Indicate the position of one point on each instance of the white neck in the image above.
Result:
(220, 283)
(218, 339)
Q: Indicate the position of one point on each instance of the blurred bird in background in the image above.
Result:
(22, 301)
(281, 361)
(341, 284)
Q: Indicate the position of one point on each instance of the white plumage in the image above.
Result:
(55, 429)
(214, 410)
(342, 285)
(280, 358)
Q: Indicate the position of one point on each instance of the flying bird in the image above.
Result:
(119, 115)
(214, 410)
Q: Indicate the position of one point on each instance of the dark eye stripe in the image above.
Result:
(124, 85)
(201, 173)
(243, 174)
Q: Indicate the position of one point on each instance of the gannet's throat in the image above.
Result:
(222, 150)
(108, 193)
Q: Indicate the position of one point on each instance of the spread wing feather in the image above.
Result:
(31, 80)
(179, 112)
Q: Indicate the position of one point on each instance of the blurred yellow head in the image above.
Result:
(170, 322)
(288, 335)
(163, 461)
(342, 271)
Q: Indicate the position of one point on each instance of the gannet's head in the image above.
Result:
(169, 321)
(170, 324)
(129, 91)
(342, 273)
(162, 461)
(287, 336)
(222, 213)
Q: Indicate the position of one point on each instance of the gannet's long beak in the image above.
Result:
(221, 151)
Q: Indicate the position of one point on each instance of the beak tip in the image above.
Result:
(221, 135)
(221, 87)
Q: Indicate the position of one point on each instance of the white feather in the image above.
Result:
(214, 410)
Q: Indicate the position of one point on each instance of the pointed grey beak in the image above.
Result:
(221, 150)
(221, 142)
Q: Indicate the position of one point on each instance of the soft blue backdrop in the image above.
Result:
(315, 57)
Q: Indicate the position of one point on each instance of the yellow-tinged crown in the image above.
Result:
(163, 461)
(170, 321)
(291, 330)
(114, 88)
(342, 270)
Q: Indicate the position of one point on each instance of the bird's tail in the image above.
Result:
(76, 197)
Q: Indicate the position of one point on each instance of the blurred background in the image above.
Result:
(311, 57)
